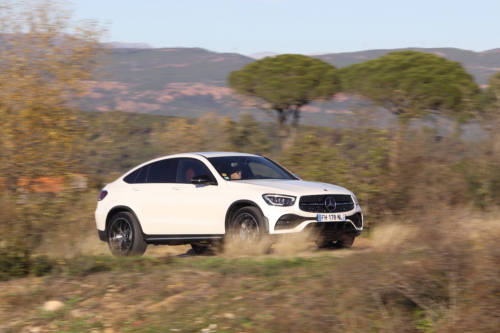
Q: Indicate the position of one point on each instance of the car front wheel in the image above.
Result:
(124, 236)
(247, 230)
(345, 242)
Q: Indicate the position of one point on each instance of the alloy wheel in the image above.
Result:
(120, 236)
(246, 229)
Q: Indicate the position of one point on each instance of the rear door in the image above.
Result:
(134, 193)
(150, 195)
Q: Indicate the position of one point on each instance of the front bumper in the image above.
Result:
(102, 235)
(329, 231)
(283, 220)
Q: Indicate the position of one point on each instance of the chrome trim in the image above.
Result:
(182, 238)
(354, 225)
(322, 204)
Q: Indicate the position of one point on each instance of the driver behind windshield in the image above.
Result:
(235, 172)
(248, 167)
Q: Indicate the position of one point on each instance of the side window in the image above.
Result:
(138, 176)
(141, 177)
(130, 178)
(162, 171)
(189, 168)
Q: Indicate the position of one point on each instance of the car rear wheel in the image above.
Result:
(125, 237)
(247, 230)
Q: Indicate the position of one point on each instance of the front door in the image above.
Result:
(197, 209)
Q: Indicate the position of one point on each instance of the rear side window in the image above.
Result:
(141, 177)
(130, 178)
(138, 176)
(162, 171)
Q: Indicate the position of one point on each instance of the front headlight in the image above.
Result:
(354, 199)
(279, 199)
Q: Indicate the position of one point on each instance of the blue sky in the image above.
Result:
(299, 26)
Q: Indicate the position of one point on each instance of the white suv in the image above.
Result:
(203, 198)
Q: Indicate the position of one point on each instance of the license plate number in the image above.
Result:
(331, 217)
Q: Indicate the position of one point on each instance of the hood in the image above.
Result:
(291, 187)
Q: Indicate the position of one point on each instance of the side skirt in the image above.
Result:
(181, 239)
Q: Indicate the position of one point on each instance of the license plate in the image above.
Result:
(331, 217)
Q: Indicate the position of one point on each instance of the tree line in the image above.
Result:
(408, 84)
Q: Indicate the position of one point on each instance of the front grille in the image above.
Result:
(316, 203)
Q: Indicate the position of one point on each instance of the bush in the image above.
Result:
(41, 265)
(14, 263)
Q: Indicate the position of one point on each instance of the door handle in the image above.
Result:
(176, 188)
(136, 189)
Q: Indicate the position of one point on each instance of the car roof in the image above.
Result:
(222, 154)
(204, 154)
(209, 154)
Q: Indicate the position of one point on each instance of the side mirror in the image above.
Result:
(201, 180)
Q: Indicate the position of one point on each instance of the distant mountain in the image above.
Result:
(262, 55)
(120, 45)
(170, 81)
(192, 81)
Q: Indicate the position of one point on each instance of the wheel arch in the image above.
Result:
(235, 206)
(119, 209)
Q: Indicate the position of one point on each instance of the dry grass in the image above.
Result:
(437, 275)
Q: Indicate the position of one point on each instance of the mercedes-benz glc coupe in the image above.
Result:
(204, 199)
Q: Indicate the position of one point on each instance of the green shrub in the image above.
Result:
(14, 263)
(41, 265)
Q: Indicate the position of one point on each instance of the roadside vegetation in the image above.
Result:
(426, 262)
(437, 275)
(428, 258)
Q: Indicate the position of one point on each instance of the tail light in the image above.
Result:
(102, 195)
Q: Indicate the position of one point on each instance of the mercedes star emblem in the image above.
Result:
(330, 204)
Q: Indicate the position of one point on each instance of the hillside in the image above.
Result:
(192, 81)
(166, 81)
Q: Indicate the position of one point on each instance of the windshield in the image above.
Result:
(248, 167)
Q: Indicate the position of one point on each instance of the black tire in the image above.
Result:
(247, 231)
(125, 236)
(345, 242)
(199, 249)
(323, 244)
